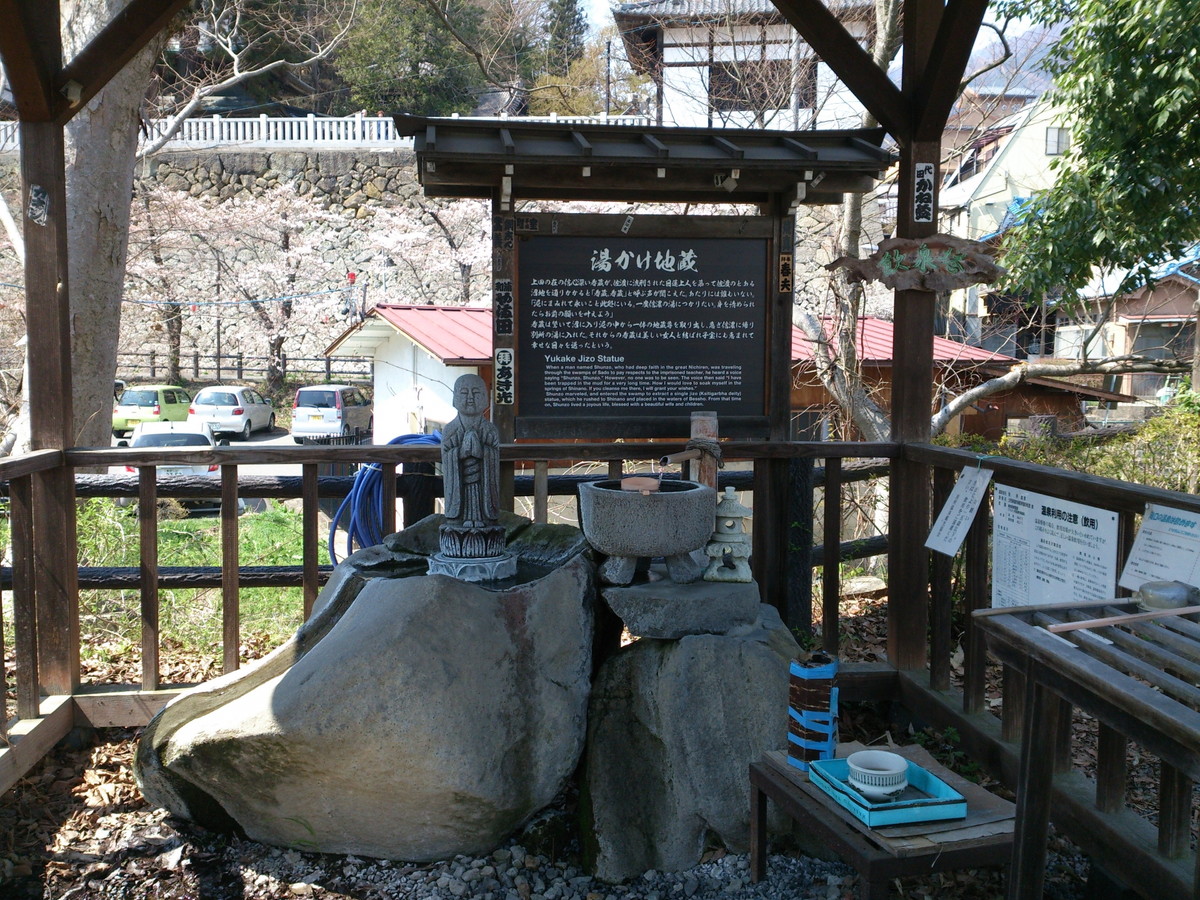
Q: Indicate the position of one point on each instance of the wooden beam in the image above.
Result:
(126, 34)
(939, 84)
(31, 47)
(121, 706)
(148, 551)
(802, 150)
(851, 63)
(30, 740)
(584, 145)
(660, 149)
(729, 147)
(20, 491)
(310, 540)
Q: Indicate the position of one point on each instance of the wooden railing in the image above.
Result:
(784, 474)
(198, 366)
(794, 593)
(1090, 809)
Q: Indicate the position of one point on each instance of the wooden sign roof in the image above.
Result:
(574, 161)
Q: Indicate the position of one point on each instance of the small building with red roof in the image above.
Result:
(420, 350)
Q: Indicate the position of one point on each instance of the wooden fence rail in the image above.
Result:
(150, 364)
(1093, 811)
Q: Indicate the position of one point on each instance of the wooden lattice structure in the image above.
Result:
(938, 37)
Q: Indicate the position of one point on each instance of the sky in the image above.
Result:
(599, 13)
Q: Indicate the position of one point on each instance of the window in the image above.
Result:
(761, 84)
(1058, 141)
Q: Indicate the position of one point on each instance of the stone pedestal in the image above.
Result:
(673, 726)
(666, 610)
(487, 568)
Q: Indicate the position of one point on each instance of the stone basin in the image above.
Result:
(671, 522)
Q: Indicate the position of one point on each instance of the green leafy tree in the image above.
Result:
(399, 57)
(566, 31)
(1127, 76)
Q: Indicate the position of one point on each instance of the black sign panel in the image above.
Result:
(643, 328)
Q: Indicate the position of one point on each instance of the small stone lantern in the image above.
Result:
(729, 547)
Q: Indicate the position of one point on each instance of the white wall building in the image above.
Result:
(736, 63)
(999, 172)
(419, 352)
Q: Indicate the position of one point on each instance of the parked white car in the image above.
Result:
(232, 409)
(325, 410)
(193, 435)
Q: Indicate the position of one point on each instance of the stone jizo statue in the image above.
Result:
(471, 459)
(471, 542)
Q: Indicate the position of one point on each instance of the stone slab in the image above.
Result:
(669, 611)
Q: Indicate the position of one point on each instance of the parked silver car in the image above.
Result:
(232, 409)
(177, 434)
(323, 410)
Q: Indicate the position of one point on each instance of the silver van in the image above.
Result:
(331, 409)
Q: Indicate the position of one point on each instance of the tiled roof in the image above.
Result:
(557, 160)
(875, 346)
(688, 9)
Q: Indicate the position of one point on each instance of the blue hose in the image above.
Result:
(365, 501)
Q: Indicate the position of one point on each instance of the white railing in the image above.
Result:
(210, 132)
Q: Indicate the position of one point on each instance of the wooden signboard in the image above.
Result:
(624, 334)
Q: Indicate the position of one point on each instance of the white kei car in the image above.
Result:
(232, 409)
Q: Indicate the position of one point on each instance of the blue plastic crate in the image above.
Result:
(926, 799)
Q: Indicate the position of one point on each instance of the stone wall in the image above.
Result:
(352, 180)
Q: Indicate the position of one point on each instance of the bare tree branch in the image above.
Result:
(1022, 372)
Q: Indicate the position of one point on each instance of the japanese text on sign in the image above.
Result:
(923, 192)
(1167, 548)
(1046, 550)
(504, 377)
(612, 326)
(954, 520)
(502, 304)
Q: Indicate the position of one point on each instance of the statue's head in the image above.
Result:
(470, 395)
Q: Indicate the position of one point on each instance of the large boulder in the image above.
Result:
(412, 718)
(673, 727)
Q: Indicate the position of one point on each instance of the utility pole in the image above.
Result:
(607, 77)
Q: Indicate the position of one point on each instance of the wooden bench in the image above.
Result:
(983, 838)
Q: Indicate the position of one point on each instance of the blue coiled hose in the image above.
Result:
(365, 501)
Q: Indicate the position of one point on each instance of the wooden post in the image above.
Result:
(772, 512)
(1027, 872)
(230, 563)
(20, 492)
(940, 619)
(797, 611)
(975, 669)
(309, 539)
(48, 325)
(541, 492)
(832, 539)
(912, 365)
(704, 425)
(504, 351)
(148, 551)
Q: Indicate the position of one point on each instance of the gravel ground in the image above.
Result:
(77, 828)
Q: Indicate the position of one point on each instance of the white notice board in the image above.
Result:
(1167, 548)
(1046, 550)
(954, 521)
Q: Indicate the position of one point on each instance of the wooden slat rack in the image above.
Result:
(1138, 680)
